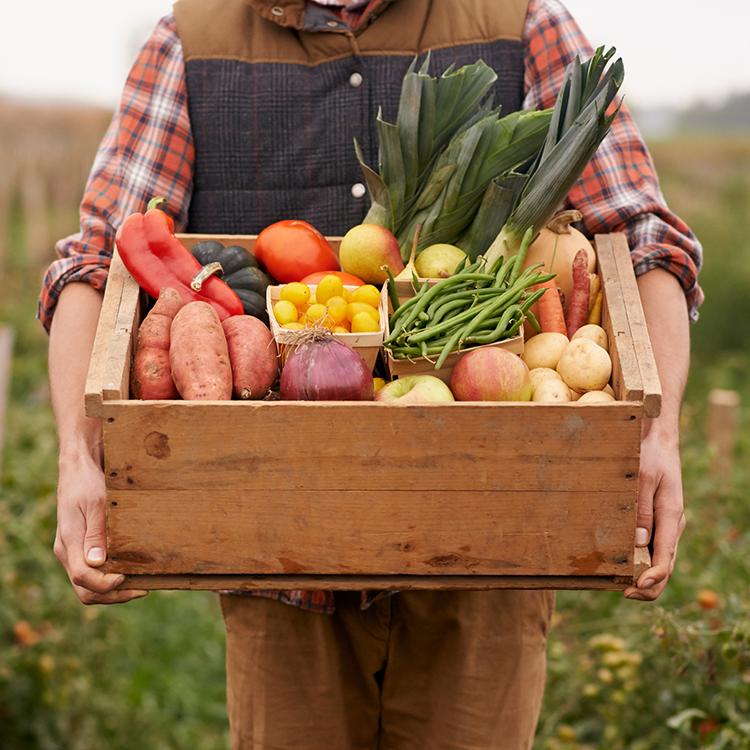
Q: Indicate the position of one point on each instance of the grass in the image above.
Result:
(675, 675)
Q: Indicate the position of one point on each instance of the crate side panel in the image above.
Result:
(371, 532)
(571, 448)
(371, 583)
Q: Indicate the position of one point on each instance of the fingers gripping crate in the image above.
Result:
(368, 495)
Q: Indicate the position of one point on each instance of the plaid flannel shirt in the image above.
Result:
(148, 150)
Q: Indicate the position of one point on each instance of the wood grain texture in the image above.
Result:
(116, 379)
(370, 532)
(105, 331)
(626, 374)
(372, 583)
(347, 496)
(641, 561)
(638, 330)
(334, 446)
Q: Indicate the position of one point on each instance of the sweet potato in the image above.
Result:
(252, 353)
(198, 354)
(152, 378)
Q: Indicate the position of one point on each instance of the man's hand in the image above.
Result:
(660, 510)
(80, 542)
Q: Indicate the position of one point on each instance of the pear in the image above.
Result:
(364, 251)
(438, 261)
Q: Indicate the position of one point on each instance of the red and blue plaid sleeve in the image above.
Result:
(619, 190)
(147, 151)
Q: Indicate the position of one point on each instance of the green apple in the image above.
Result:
(415, 389)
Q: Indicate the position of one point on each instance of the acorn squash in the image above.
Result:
(240, 271)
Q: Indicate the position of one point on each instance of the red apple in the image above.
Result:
(415, 389)
(366, 248)
(491, 374)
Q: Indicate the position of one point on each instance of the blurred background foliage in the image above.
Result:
(670, 676)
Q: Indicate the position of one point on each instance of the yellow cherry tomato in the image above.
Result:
(377, 384)
(337, 309)
(340, 329)
(367, 294)
(296, 293)
(316, 314)
(294, 327)
(360, 307)
(285, 312)
(363, 322)
(329, 286)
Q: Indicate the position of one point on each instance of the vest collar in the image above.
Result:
(291, 13)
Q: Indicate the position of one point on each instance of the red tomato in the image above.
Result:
(290, 250)
(347, 278)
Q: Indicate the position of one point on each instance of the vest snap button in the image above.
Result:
(277, 11)
(333, 24)
(355, 80)
(358, 190)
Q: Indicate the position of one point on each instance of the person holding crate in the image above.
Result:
(241, 112)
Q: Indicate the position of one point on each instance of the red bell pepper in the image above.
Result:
(157, 259)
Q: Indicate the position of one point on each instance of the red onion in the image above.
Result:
(323, 369)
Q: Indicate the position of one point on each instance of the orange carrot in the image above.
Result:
(549, 309)
(578, 304)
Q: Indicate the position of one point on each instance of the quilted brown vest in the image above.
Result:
(277, 91)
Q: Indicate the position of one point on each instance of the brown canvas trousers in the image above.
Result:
(421, 670)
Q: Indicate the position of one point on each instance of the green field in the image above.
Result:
(670, 676)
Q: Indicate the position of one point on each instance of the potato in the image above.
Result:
(199, 355)
(544, 350)
(585, 366)
(252, 353)
(595, 397)
(574, 395)
(593, 332)
(540, 374)
(152, 378)
(551, 391)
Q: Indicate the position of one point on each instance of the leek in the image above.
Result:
(579, 124)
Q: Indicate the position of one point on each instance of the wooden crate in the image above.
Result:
(367, 495)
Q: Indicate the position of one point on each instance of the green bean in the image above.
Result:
(396, 321)
(460, 294)
(495, 267)
(498, 331)
(509, 296)
(533, 321)
(521, 255)
(502, 275)
(392, 293)
(450, 345)
(472, 325)
(443, 310)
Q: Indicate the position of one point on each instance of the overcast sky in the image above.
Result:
(675, 51)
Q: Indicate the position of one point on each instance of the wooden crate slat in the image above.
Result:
(116, 379)
(372, 583)
(161, 446)
(638, 329)
(370, 532)
(104, 334)
(626, 374)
